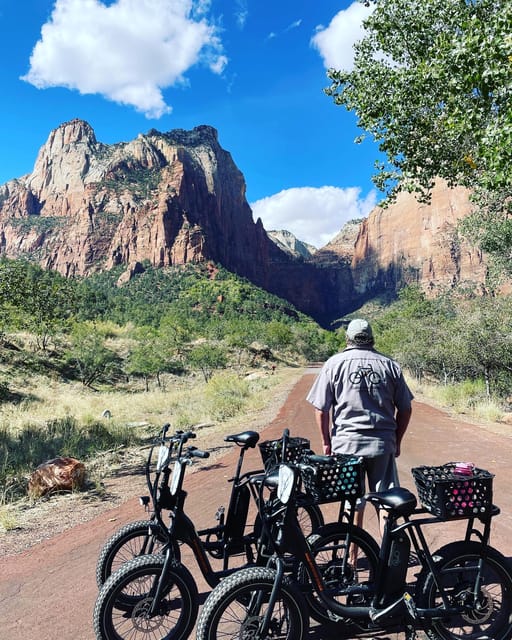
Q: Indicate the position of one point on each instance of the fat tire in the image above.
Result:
(498, 626)
(368, 559)
(120, 548)
(241, 583)
(107, 609)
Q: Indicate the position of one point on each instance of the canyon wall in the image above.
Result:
(172, 198)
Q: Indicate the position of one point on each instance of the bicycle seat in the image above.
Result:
(399, 500)
(246, 438)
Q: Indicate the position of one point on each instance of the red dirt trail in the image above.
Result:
(49, 591)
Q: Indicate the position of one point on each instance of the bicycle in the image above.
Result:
(222, 541)
(141, 595)
(462, 591)
(145, 536)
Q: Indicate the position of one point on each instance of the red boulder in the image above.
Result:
(59, 474)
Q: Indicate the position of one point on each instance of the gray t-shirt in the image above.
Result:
(364, 388)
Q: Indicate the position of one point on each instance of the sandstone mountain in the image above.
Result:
(177, 197)
(286, 241)
(410, 242)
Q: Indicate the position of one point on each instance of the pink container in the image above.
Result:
(464, 468)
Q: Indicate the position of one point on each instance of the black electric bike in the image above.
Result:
(155, 595)
(462, 591)
(227, 538)
(145, 536)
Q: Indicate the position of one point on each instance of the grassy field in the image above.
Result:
(98, 427)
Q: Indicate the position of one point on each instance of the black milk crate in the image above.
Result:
(272, 451)
(333, 478)
(449, 495)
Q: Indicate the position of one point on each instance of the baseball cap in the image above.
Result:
(359, 331)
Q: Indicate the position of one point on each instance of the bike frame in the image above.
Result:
(182, 529)
(161, 499)
(399, 504)
(229, 532)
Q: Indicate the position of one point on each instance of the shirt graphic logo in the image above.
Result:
(365, 376)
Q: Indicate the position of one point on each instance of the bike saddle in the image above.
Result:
(246, 438)
(399, 499)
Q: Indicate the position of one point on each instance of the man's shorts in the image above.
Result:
(381, 474)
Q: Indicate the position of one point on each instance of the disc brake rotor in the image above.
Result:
(142, 620)
(482, 609)
(249, 627)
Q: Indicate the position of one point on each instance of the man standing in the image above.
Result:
(365, 394)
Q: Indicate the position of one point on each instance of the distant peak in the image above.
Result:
(76, 130)
(286, 241)
(198, 135)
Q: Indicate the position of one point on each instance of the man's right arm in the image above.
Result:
(322, 419)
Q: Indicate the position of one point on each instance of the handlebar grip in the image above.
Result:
(183, 436)
(198, 453)
(286, 438)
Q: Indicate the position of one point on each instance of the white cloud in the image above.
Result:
(127, 52)
(241, 12)
(294, 25)
(335, 42)
(313, 215)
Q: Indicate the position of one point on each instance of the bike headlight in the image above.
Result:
(285, 483)
(175, 477)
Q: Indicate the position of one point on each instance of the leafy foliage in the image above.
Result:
(197, 317)
(35, 300)
(207, 357)
(432, 83)
(89, 354)
(451, 339)
(227, 394)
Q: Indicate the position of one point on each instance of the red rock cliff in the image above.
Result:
(410, 242)
(178, 197)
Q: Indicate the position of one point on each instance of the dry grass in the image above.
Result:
(117, 475)
(465, 401)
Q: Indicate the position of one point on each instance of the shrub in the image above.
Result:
(226, 395)
(463, 395)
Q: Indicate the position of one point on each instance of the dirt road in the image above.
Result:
(49, 591)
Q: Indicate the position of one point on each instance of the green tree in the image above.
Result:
(88, 353)
(239, 333)
(278, 335)
(432, 83)
(484, 329)
(39, 301)
(150, 355)
(207, 357)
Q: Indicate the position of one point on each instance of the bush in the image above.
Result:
(463, 395)
(226, 395)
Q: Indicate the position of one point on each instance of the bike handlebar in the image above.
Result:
(182, 436)
(197, 453)
(286, 438)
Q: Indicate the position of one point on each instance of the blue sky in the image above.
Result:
(253, 69)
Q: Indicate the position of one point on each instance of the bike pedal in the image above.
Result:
(411, 606)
